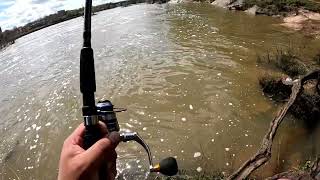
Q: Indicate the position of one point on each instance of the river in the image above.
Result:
(186, 72)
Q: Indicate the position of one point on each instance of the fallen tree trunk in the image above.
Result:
(264, 153)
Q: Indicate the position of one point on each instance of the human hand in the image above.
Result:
(77, 163)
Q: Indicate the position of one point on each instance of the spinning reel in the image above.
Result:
(107, 114)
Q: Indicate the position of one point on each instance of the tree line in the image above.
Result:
(9, 36)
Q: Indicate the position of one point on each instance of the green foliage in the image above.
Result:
(286, 61)
(291, 65)
(306, 166)
(273, 7)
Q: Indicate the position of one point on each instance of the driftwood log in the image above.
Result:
(264, 152)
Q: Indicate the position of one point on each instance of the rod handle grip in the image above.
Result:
(91, 135)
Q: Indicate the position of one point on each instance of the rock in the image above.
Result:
(296, 27)
(273, 87)
(307, 22)
(253, 10)
(313, 16)
(299, 19)
(237, 5)
(310, 15)
(179, 1)
(230, 4)
(222, 3)
(311, 29)
(307, 104)
(295, 22)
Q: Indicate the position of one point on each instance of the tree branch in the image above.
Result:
(264, 153)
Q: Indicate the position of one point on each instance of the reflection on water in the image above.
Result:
(186, 73)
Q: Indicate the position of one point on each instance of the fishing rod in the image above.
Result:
(104, 111)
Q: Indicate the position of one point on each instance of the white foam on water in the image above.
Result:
(197, 154)
(140, 112)
(37, 116)
(33, 147)
(129, 125)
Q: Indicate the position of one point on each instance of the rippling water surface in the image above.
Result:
(186, 73)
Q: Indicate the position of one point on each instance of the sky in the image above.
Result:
(15, 13)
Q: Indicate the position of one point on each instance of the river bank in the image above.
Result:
(300, 16)
(8, 37)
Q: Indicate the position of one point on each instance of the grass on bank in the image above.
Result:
(274, 7)
(284, 60)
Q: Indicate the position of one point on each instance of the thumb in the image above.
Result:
(97, 151)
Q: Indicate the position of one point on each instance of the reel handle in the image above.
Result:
(167, 166)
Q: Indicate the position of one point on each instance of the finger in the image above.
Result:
(97, 151)
(76, 136)
(79, 131)
(103, 128)
(114, 138)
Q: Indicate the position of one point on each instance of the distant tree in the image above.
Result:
(1, 38)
